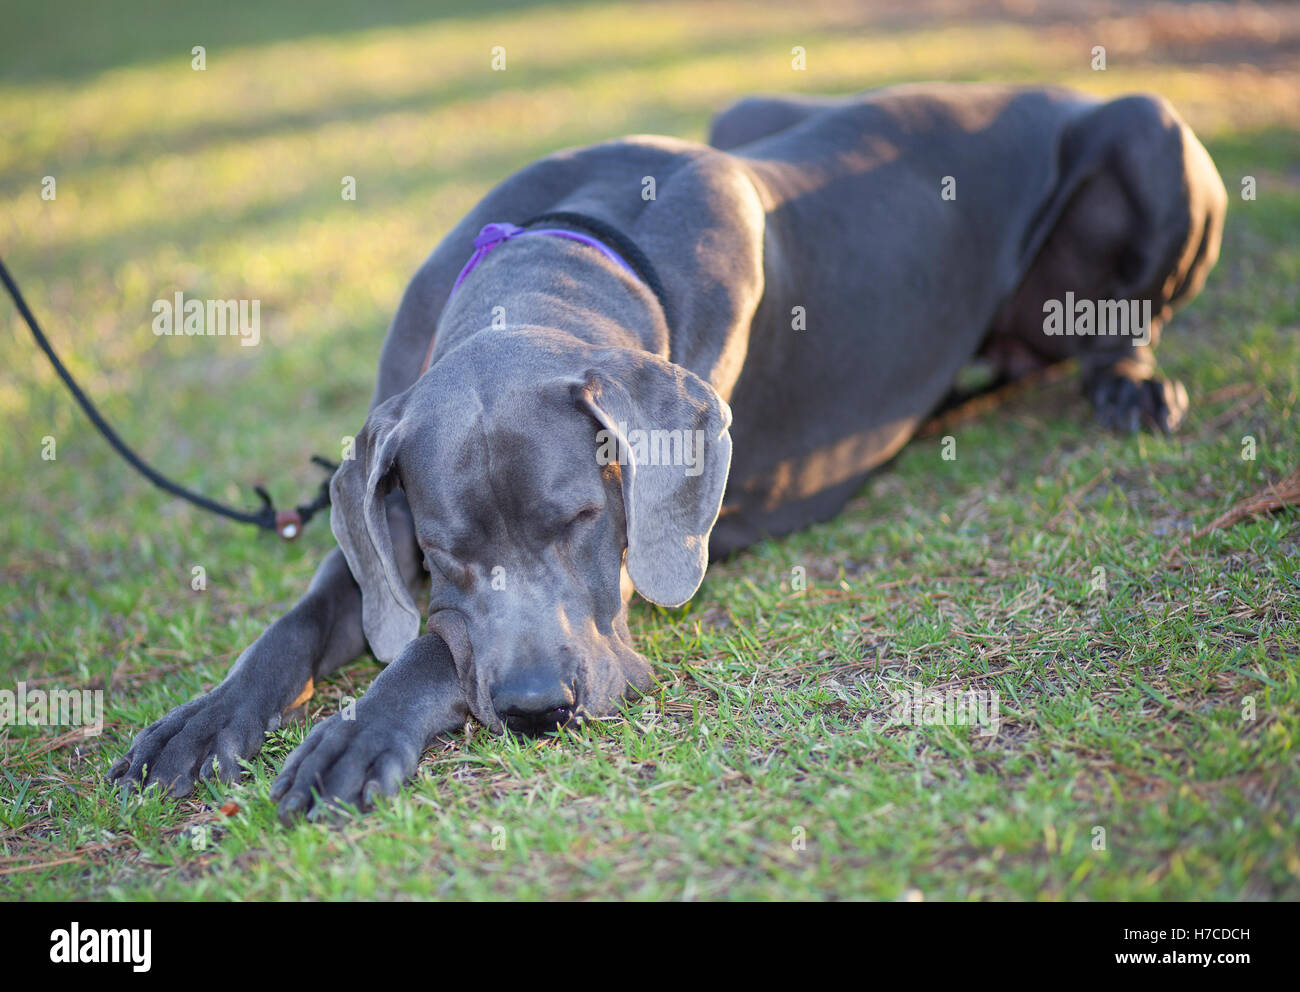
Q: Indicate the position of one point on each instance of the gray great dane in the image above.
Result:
(822, 272)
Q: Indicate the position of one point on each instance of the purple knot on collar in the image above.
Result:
(494, 235)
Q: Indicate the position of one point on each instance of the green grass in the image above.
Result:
(1121, 709)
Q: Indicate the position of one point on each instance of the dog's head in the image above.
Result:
(547, 479)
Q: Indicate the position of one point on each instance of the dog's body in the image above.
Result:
(826, 268)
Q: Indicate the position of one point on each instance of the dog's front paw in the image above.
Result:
(1125, 403)
(345, 763)
(205, 738)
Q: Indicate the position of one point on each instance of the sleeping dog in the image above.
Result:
(633, 357)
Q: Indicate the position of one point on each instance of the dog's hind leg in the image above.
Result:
(1132, 233)
(756, 117)
(209, 736)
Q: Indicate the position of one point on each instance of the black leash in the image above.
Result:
(287, 523)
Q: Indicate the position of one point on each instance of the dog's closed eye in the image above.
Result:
(583, 515)
(573, 522)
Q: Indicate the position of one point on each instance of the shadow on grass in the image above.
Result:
(588, 71)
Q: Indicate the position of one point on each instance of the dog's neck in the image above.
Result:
(553, 283)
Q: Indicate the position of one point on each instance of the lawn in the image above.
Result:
(1147, 676)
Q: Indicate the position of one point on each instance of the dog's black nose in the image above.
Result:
(531, 705)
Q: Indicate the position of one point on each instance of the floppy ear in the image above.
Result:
(648, 408)
(359, 519)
